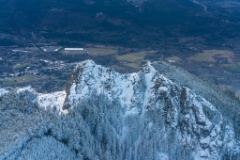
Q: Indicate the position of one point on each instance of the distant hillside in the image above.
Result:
(90, 20)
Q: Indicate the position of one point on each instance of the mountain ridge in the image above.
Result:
(141, 115)
(149, 73)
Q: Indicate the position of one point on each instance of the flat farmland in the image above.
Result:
(213, 56)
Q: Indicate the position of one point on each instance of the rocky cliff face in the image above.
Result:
(155, 117)
(140, 116)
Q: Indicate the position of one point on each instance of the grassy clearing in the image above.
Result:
(71, 53)
(132, 57)
(232, 67)
(211, 56)
(134, 65)
(102, 51)
(24, 79)
(17, 80)
(8, 82)
(21, 66)
(132, 60)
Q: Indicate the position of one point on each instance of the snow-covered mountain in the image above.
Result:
(109, 115)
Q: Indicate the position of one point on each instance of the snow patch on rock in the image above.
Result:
(3, 91)
(55, 99)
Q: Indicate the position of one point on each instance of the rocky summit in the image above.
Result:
(104, 114)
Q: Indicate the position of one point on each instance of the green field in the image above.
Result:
(18, 80)
(8, 82)
(132, 60)
(21, 66)
(232, 67)
(211, 56)
(102, 51)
